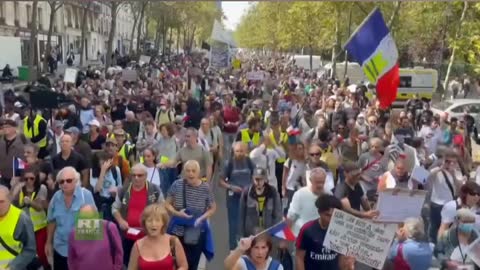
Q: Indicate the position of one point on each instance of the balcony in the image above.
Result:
(17, 23)
(70, 24)
(2, 21)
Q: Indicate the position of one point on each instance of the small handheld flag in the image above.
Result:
(282, 231)
(18, 166)
(373, 47)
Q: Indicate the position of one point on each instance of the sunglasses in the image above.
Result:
(29, 178)
(314, 154)
(258, 179)
(111, 144)
(68, 181)
(473, 193)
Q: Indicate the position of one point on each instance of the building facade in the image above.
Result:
(16, 16)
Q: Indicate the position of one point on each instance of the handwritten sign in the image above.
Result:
(396, 206)
(129, 75)
(256, 76)
(144, 60)
(368, 242)
(70, 75)
(420, 175)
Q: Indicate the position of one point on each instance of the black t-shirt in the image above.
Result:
(310, 239)
(354, 196)
(75, 160)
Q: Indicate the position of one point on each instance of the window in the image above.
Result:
(16, 9)
(406, 81)
(40, 18)
(29, 14)
(467, 108)
(2, 8)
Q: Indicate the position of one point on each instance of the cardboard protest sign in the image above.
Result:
(129, 75)
(70, 75)
(256, 76)
(368, 242)
(396, 205)
(144, 60)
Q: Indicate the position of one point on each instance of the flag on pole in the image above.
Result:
(373, 47)
(18, 166)
(282, 231)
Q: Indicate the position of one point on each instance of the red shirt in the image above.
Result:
(230, 114)
(138, 202)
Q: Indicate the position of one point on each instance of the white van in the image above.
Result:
(354, 72)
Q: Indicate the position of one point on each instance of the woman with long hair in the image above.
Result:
(31, 196)
(253, 253)
(166, 150)
(157, 249)
(150, 161)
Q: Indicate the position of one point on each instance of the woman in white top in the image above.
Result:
(253, 253)
(149, 160)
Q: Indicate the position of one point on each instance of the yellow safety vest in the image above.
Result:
(125, 151)
(163, 159)
(39, 218)
(34, 130)
(247, 140)
(8, 225)
(283, 139)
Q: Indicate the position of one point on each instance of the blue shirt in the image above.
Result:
(108, 182)
(64, 217)
(418, 255)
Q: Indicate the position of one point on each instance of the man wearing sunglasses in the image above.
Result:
(62, 212)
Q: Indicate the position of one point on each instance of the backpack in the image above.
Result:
(230, 167)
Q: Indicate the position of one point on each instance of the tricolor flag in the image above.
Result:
(373, 47)
(282, 231)
(18, 166)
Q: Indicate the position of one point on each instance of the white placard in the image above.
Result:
(368, 242)
(133, 231)
(474, 252)
(256, 76)
(396, 205)
(129, 75)
(144, 60)
(420, 175)
(70, 75)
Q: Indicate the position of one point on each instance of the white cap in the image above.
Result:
(94, 122)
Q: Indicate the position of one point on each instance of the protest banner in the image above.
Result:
(70, 75)
(219, 57)
(368, 242)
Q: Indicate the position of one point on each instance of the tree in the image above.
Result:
(84, 23)
(114, 8)
(134, 8)
(140, 24)
(33, 42)
(54, 6)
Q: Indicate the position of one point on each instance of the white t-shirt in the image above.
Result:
(153, 176)
(296, 170)
(302, 208)
(243, 265)
(449, 211)
(457, 255)
(441, 193)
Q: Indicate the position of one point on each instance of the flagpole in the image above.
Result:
(360, 26)
(266, 230)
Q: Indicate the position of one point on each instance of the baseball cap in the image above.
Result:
(72, 130)
(259, 172)
(111, 140)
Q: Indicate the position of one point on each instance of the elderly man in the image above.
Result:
(129, 204)
(62, 212)
(11, 146)
(17, 247)
(193, 151)
(70, 158)
(83, 254)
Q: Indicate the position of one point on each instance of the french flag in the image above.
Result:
(373, 47)
(282, 231)
(18, 166)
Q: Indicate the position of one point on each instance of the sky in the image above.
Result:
(234, 11)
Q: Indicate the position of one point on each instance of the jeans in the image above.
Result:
(233, 210)
(435, 221)
(228, 140)
(167, 176)
(289, 197)
(194, 252)
(127, 249)
(106, 210)
(59, 262)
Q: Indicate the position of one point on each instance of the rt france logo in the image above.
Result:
(89, 227)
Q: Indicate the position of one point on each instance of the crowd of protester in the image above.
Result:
(150, 155)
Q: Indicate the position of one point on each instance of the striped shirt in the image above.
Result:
(198, 200)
